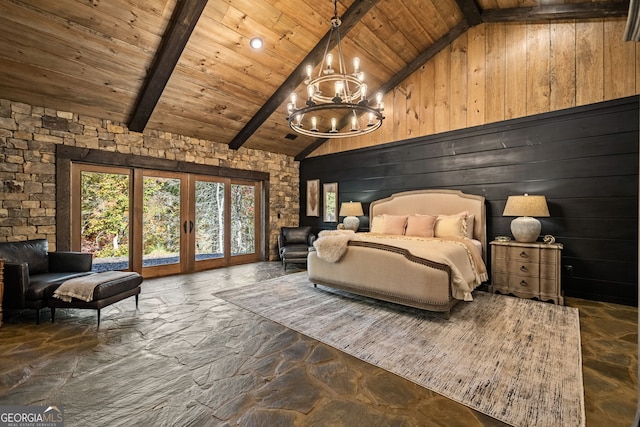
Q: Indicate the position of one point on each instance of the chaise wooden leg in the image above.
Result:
(98, 318)
(53, 314)
(37, 316)
(137, 301)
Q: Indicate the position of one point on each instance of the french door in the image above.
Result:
(161, 223)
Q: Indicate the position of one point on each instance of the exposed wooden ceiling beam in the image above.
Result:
(398, 78)
(470, 11)
(555, 12)
(351, 17)
(183, 21)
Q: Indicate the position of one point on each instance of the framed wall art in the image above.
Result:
(330, 193)
(313, 197)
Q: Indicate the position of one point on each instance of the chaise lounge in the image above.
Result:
(32, 274)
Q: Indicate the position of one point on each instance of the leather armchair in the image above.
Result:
(294, 244)
(32, 273)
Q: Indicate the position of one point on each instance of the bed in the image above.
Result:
(413, 269)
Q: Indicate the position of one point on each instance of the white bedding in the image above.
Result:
(467, 271)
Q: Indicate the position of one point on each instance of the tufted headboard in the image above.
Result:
(436, 202)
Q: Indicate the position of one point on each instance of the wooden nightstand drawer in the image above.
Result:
(513, 283)
(523, 268)
(524, 254)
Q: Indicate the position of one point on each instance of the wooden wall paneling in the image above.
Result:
(442, 95)
(589, 62)
(619, 61)
(562, 65)
(516, 71)
(427, 98)
(496, 73)
(476, 76)
(413, 106)
(399, 121)
(537, 68)
(458, 83)
(389, 113)
(584, 160)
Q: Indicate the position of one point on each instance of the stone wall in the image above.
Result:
(28, 139)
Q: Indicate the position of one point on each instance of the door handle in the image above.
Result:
(185, 227)
(190, 227)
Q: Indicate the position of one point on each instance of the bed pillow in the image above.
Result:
(377, 224)
(451, 226)
(394, 224)
(420, 225)
(470, 224)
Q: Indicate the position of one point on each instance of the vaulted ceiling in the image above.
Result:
(186, 67)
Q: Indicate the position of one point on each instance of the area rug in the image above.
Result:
(516, 360)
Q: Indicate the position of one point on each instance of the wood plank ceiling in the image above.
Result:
(186, 67)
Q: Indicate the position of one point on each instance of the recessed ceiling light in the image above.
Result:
(256, 43)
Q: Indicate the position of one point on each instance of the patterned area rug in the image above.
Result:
(516, 360)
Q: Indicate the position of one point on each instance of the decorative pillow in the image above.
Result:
(377, 224)
(394, 224)
(470, 224)
(451, 226)
(420, 225)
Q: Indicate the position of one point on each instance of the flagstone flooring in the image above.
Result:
(186, 357)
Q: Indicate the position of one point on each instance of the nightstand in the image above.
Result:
(527, 270)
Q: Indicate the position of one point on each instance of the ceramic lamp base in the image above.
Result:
(526, 229)
(351, 223)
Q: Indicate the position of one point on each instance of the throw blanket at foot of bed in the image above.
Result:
(82, 287)
(332, 244)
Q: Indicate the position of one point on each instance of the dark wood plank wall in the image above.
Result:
(583, 159)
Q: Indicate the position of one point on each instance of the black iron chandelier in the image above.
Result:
(334, 94)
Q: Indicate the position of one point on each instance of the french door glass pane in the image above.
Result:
(209, 229)
(243, 227)
(160, 221)
(105, 219)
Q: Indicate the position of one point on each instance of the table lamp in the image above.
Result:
(351, 211)
(526, 228)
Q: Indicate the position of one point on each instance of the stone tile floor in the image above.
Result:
(186, 357)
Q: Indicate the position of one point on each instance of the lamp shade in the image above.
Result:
(526, 228)
(351, 209)
(526, 206)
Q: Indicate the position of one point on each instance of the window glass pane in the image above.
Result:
(160, 221)
(105, 219)
(243, 200)
(209, 215)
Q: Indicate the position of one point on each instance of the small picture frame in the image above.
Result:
(313, 197)
(330, 193)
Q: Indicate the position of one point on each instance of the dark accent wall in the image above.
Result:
(583, 159)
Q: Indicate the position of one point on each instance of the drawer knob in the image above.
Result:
(523, 268)
(523, 254)
(523, 283)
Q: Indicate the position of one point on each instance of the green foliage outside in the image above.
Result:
(105, 216)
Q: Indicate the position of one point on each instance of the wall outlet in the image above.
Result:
(568, 269)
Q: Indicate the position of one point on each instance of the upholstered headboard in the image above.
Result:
(436, 202)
